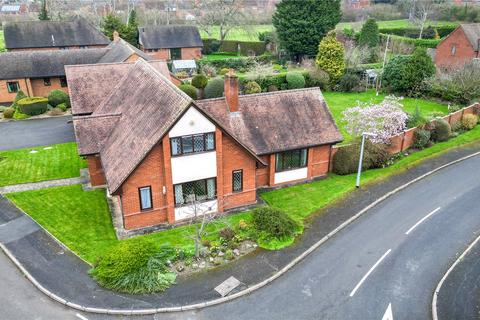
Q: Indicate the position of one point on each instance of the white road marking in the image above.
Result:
(388, 313)
(421, 220)
(80, 316)
(368, 273)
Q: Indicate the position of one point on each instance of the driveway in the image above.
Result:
(36, 132)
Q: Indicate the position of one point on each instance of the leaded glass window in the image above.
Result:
(289, 160)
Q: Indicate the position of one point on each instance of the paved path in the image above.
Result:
(355, 275)
(36, 132)
(43, 185)
(459, 297)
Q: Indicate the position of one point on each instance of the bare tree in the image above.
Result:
(419, 13)
(224, 14)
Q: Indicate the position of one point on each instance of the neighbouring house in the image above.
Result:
(36, 73)
(153, 147)
(171, 42)
(357, 4)
(459, 47)
(19, 8)
(53, 35)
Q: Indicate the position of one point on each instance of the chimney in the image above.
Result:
(231, 90)
(116, 36)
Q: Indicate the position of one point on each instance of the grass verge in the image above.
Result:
(40, 163)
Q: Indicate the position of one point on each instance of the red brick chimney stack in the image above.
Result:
(231, 90)
(116, 36)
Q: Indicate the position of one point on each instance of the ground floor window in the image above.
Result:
(63, 82)
(145, 194)
(176, 53)
(289, 160)
(13, 86)
(237, 180)
(47, 82)
(200, 190)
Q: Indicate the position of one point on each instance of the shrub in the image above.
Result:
(199, 81)
(20, 116)
(295, 80)
(55, 112)
(56, 97)
(135, 267)
(369, 35)
(181, 75)
(2, 108)
(224, 71)
(317, 78)
(416, 119)
(209, 70)
(469, 121)
(252, 87)
(345, 160)
(348, 82)
(330, 57)
(273, 223)
(214, 88)
(227, 233)
(441, 130)
(429, 33)
(19, 96)
(405, 73)
(272, 88)
(62, 106)
(421, 138)
(8, 113)
(190, 90)
(32, 106)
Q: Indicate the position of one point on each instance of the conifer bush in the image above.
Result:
(330, 57)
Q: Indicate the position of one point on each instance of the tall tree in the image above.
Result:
(43, 15)
(112, 23)
(302, 24)
(221, 14)
(130, 32)
(369, 35)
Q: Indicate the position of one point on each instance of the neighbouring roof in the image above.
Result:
(51, 63)
(169, 36)
(41, 34)
(277, 121)
(149, 104)
(88, 85)
(472, 32)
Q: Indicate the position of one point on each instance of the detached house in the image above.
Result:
(153, 147)
(171, 42)
(53, 35)
(36, 73)
(459, 47)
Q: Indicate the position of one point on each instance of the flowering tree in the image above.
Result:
(383, 120)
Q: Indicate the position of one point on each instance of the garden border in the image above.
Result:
(238, 294)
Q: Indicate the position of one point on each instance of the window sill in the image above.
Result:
(286, 170)
(198, 201)
(191, 153)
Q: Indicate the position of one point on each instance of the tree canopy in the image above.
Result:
(43, 14)
(369, 35)
(302, 24)
(128, 32)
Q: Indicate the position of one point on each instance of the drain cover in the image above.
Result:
(227, 286)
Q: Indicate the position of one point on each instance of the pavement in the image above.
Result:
(43, 184)
(357, 274)
(459, 296)
(35, 132)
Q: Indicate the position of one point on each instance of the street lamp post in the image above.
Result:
(360, 161)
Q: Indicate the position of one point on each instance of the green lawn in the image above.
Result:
(80, 219)
(2, 42)
(339, 101)
(40, 163)
(220, 56)
(249, 33)
(403, 23)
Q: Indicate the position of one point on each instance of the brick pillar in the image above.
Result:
(219, 151)
(310, 163)
(168, 180)
(272, 170)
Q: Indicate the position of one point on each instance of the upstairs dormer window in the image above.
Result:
(196, 143)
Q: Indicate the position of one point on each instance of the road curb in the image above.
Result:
(445, 276)
(129, 312)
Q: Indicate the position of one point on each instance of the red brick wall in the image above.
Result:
(263, 173)
(464, 50)
(149, 173)
(5, 96)
(319, 162)
(235, 157)
(164, 54)
(40, 90)
(191, 53)
(161, 54)
(97, 176)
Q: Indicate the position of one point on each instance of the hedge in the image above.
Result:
(442, 30)
(425, 43)
(32, 106)
(233, 46)
(279, 80)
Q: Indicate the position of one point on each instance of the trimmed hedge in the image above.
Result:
(442, 30)
(214, 88)
(345, 160)
(190, 90)
(295, 80)
(32, 106)
(245, 47)
(199, 81)
(424, 43)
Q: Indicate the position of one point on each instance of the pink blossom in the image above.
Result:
(383, 120)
